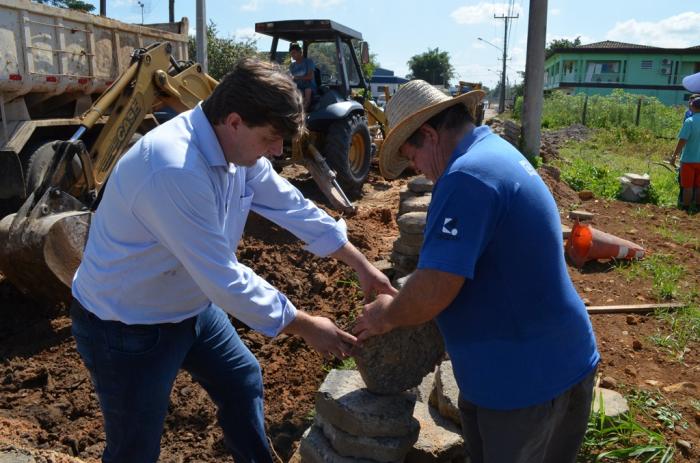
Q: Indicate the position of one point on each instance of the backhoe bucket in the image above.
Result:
(42, 246)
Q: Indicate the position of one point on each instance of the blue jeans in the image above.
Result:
(133, 368)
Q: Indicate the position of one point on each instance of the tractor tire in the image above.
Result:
(348, 151)
(38, 165)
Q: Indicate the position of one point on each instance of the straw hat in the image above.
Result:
(412, 106)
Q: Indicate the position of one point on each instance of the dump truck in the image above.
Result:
(56, 63)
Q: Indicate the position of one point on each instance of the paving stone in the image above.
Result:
(403, 264)
(344, 401)
(447, 392)
(425, 388)
(405, 249)
(415, 204)
(412, 222)
(581, 215)
(405, 193)
(439, 439)
(382, 449)
(420, 184)
(314, 448)
(614, 403)
(412, 239)
(14, 456)
(636, 179)
(398, 360)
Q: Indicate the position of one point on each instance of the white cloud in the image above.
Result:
(678, 31)
(555, 11)
(325, 4)
(482, 13)
(247, 33)
(252, 5)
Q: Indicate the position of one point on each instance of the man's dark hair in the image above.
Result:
(695, 104)
(261, 93)
(451, 119)
(294, 46)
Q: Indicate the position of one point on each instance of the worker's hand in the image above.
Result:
(373, 282)
(672, 160)
(323, 335)
(373, 319)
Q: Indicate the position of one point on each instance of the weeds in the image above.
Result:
(684, 327)
(622, 437)
(663, 270)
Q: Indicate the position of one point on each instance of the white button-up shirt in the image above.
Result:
(162, 243)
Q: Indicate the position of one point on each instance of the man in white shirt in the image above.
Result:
(159, 272)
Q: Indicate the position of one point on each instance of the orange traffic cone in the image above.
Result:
(586, 243)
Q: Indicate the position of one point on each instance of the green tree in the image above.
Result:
(561, 43)
(222, 53)
(70, 4)
(432, 66)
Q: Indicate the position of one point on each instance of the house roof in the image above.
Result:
(610, 46)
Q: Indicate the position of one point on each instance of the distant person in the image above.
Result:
(689, 112)
(688, 147)
(302, 70)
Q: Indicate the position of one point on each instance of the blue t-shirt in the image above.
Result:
(300, 69)
(690, 132)
(517, 333)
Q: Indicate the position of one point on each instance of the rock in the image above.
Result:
(636, 345)
(684, 444)
(412, 239)
(343, 401)
(634, 188)
(405, 193)
(439, 439)
(652, 382)
(425, 388)
(415, 204)
(687, 386)
(314, 448)
(613, 404)
(420, 184)
(382, 449)
(384, 266)
(447, 392)
(631, 371)
(585, 195)
(405, 249)
(608, 382)
(398, 360)
(412, 222)
(15, 456)
(631, 320)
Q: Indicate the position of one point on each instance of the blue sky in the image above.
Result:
(397, 30)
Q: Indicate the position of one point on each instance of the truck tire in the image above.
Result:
(348, 151)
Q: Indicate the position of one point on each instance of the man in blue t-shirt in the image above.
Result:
(302, 70)
(492, 273)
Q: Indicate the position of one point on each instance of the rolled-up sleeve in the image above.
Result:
(279, 201)
(179, 208)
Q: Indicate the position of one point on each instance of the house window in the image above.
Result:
(569, 67)
(603, 71)
(646, 64)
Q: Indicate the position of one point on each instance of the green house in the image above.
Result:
(598, 68)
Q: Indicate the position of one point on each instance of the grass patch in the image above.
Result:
(625, 438)
(662, 269)
(597, 164)
(684, 328)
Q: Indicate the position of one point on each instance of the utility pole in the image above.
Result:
(534, 78)
(103, 7)
(202, 35)
(502, 99)
(171, 11)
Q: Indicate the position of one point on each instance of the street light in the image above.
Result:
(141, 5)
(494, 46)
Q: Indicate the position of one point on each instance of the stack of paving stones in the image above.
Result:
(413, 208)
(354, 425)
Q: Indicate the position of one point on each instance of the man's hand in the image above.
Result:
(672, 160)
(322, 334)
(373, 282)
(373, 321)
